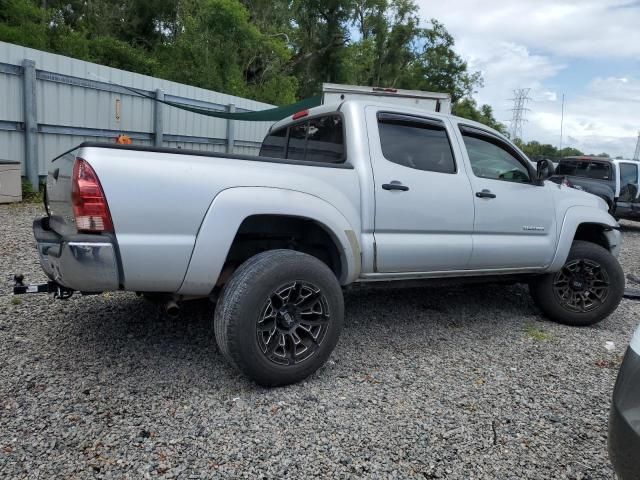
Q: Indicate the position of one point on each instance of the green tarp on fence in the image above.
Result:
(269, 115)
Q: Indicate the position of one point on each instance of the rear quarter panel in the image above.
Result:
(158, 202)
(58, 194)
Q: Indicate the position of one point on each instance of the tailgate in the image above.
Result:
(58, 194)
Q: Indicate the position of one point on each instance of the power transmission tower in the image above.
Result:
(636, 156)
(521, 97)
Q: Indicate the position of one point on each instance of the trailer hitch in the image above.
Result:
(59, 291)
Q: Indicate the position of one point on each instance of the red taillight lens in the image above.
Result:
(300, 114)
(89, 203)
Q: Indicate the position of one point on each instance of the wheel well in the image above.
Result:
(592, 232)
(259, 233)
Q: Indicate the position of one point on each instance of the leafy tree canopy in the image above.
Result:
(276, 51)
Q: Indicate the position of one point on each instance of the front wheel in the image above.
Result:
(586, 290)
(279, 317)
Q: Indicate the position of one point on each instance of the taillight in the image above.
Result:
(89, 203)
(300, 114)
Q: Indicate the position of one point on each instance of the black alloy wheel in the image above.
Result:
(293, 323)
(581, 286)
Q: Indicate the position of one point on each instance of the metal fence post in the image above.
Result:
(30, 123)
(158, 123)
(230, 129)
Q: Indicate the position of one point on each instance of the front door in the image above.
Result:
(424, 205)
(628, 196)
(515, 223)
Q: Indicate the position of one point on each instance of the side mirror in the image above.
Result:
(544, 169)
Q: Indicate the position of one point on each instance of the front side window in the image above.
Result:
(490, 160)
(628, 174)
(415, 143)
(319, 139)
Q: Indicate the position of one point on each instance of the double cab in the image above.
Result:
(348, 193)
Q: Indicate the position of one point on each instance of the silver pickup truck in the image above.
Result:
(360, 191)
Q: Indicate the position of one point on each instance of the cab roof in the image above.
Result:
(375, 102)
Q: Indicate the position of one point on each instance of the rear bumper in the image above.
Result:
(88, 263)
(624, 419)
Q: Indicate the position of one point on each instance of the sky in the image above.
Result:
(588, 50)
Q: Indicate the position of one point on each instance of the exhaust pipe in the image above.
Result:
(171, 308)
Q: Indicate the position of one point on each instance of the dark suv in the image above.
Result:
(613, 180)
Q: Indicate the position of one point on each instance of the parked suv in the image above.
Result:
(613, 180)
(360, 191)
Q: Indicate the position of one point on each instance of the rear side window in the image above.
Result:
(319, 139)
(415, 143)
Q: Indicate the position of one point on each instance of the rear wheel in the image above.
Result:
(279, 317)
(586, 290)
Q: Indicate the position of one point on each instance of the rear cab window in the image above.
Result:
(584, 168)
(318, 139)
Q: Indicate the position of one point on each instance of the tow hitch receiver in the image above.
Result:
(19, 288)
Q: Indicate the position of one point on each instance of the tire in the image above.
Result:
(270, 297)
(587, 289)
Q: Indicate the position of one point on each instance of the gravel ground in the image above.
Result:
(463, 382)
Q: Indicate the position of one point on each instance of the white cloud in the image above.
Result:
(576, 28)
(605, 118)
(525, 44)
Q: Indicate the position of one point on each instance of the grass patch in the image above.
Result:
(16, 301)
(536, 333)
(29, 195)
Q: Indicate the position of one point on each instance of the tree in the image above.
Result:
(468, 108)
(394, 51)
(24, 23)
(319, 40)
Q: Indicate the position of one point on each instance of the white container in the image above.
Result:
(10, 182)
(427, 101)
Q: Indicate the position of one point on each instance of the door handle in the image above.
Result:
(395, 185)
(485, 194)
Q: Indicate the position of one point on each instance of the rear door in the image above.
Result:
(424, 206)
(514, 218)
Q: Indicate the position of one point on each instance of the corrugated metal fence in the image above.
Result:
(50, 103)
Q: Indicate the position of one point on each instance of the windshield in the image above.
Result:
(578, 168)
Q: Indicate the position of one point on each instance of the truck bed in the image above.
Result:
(159, 197)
